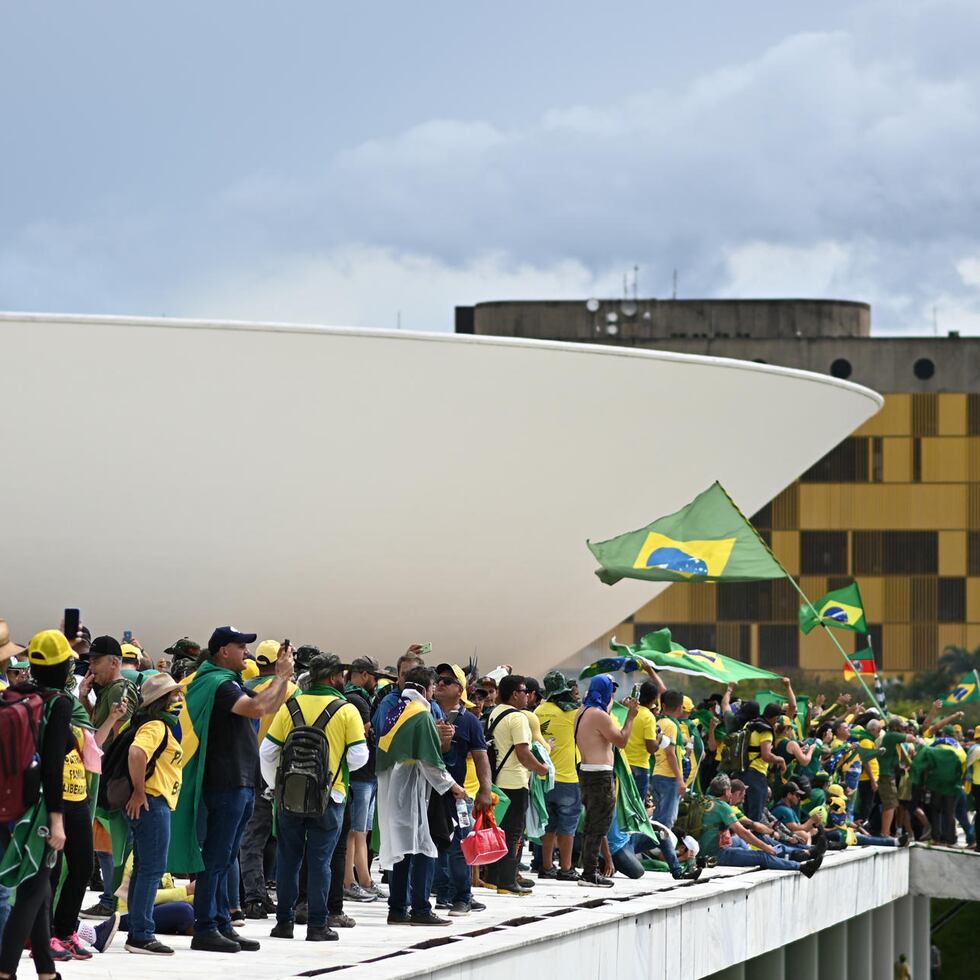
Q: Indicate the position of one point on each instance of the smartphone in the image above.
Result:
(635, 693)
(426, 649)
(127, 636)
(73, 620)
(285, 644)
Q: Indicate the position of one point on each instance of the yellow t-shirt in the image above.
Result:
(644, 730)
(74, 784)
(512, 730)
(560, 725)
(536, 733)
(168, 772)
(869, 770)
(668, 727)
(344, 729)
(472, 781)
(756, 740)
(265, 722)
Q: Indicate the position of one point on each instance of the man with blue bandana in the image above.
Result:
(595, 735)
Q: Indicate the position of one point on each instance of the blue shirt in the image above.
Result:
(468, 736)
(388, 702)
(784, 813)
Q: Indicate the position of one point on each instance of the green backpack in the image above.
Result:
(735, 752)
(690, 815)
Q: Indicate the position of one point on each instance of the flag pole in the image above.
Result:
(803, 596)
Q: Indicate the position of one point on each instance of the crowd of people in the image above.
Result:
(227, 783)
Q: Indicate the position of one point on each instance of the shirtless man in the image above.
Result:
(595, 735)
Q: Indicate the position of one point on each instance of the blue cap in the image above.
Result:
(224, 635)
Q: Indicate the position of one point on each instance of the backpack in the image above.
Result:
(22, 716)
(304, 777)
(116, 786)
(496, 766)
(690, 815)
(735, 752)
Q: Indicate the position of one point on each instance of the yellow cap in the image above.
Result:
(267, 652)
(688, 704)
(835, 789)
(250, 670)
(131, 653)
(49, 648)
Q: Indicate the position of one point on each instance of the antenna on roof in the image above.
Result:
(675, 285)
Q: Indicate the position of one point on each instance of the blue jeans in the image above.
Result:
(318, 837)
(564, 805)
(233, 885)
(666, 799)
(756, 794)
(108, 870)
(5, 894)
(228, 812)
(641, 777)
(363, 797)
(453, 881)
(413, 874)
(729, 857)
(151, 840)
(869, 840)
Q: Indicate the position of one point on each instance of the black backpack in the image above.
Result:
(115, 787)
(304, 777)
(496, 766)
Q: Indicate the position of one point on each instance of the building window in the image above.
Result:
(756, 601)
(841, 368)
(973, 553)
(916, 460)
(779, 645)
(763, 518)
(951, 600)
(923, 369)
(877, 459)
(973, 415)
(823, 552)
(894, 552)
(845, 463)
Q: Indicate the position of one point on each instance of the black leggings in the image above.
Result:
(79, 855)
(29, 918)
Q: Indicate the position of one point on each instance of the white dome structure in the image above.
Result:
(364, 489)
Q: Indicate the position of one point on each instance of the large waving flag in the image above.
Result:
(841, 608)
(862, 663)
(967, 691)
(709, 540)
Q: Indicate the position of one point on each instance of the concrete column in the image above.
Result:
(833, 951)
(883, 943)
(904, 917)
(922, 942)
(769, 966)
(802, 958)
(859, 934)
(736, 972)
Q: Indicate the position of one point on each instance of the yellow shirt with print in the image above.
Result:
(756, 741)
(644, 730)
(559, 725)
(74, 787)
(168, 771)
(344, 729)
(512, 730)
(668, 727)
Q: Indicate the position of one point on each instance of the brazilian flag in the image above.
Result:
(841, 608)
(709, 540)
(967, 691)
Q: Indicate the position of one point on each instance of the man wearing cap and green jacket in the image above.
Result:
(942, 766)
(218, 741)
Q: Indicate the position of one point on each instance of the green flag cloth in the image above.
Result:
(25, 852)
(709, 540)
(631, 813)
(841, 608)
(967, 691)
(412, 736)
(662, 653)
(195, 720)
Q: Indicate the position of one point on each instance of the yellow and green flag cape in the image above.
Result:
(709, 540)
(412, 737)
(841, 608)
(967, 691)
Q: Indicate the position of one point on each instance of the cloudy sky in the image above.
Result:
(352, 163)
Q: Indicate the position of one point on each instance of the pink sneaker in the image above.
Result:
(59, 951)
(75, 946)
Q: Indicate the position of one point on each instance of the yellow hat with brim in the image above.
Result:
(688, 704)
(131, 654)
(835, 789)
(50, 648)
(267, 652)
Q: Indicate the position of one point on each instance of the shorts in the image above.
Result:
(363, 795)
(564, 805)
(888, 792)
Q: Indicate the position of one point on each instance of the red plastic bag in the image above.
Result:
(487, 842)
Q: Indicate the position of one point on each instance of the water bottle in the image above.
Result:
(463, 817)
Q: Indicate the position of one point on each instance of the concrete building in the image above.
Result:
(895, 505)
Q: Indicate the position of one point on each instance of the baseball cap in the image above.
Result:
(130, 653)
(267, 652)
(105, 646)
(692, 845)
(324, 664)
(789, 788)
(367, 665)
(49, 648)
(224, 635)
(457, 672)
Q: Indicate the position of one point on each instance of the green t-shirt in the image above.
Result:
(889, 758)
(717, 817)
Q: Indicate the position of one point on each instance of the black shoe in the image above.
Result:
(98, 911)
(214, 942)
(595, 880)
(525, 882)
(476, 906)
(819, 845)
(255, 909)
(247, 945)
(426, 919)
(547, 873)
(459, 908)
(399, 919)
(282, 930)
(903, 838)
(340, 920)
(444, 906)
(570, 875)
(689, 875)
(809, 868)
(151, 946)
(302, 914)
(269, 905)
(321, 934)
(514, 889)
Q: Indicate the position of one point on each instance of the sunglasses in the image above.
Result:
(449, 680)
